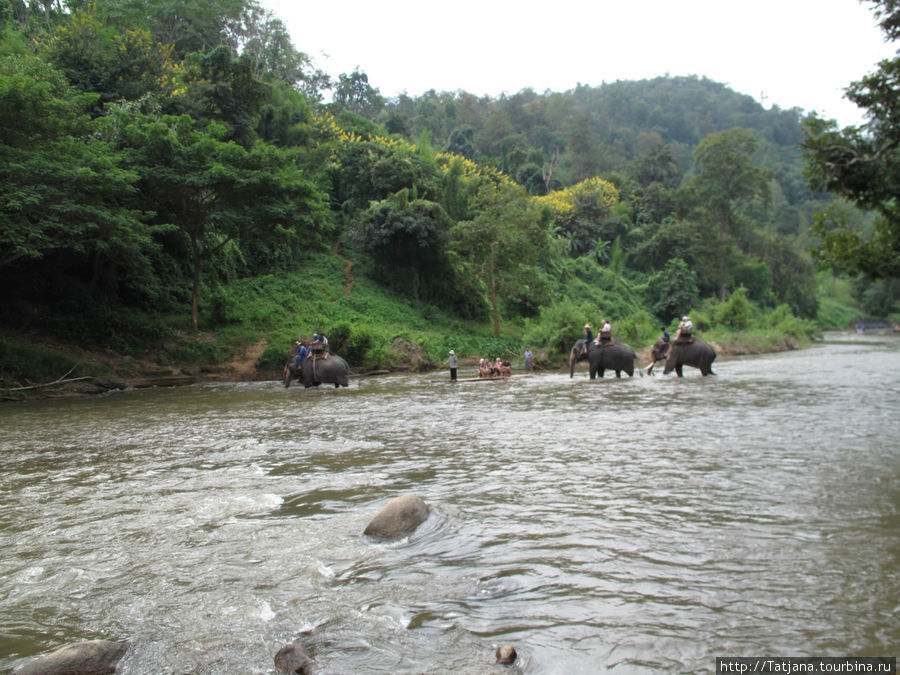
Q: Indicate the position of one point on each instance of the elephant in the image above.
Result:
(697, 353)
(617, 356)
(316, 371)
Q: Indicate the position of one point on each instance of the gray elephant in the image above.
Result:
(617, 356)
(315, 371)
(696, 353)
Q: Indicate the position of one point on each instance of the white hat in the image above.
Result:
(684, 318)
(452, 352)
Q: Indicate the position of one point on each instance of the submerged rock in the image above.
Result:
(398, 518)
(93, 657)
(506, 654)
(294, 659)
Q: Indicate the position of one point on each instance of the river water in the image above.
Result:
(639, 525)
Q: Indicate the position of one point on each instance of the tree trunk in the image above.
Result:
(722, 228)
(195, 295)
(492, 274)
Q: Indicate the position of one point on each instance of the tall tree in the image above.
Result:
(215, 191)
(727, 180)
(61, 186)
(354, 93)
(187, 25)
(507, 233)
(116, 65)
(863, 165)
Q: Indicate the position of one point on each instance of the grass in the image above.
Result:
(376, 328)
(24, 363)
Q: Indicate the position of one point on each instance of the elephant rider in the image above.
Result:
(605, 334)
(685, 328)
(588, 338)
(319, 347)
(302, 353)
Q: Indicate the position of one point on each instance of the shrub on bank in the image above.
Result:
(21, 363)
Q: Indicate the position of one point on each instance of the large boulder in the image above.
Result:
(293, 658)
(93, 657)
(399, 517)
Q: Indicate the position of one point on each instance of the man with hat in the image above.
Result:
(453, 362)
(685, 328)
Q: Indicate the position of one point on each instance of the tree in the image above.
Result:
(367, 170)
(222, 87)
(354, 93)
(673, 291)
(507, 233)
(727, 180)
(268, 44)
(214, 191)
(862, 164)
(408, 240)
(62, 186)
(116, 65)
(187, 25)
(585, 212)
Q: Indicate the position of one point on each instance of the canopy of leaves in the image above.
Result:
(863, 165)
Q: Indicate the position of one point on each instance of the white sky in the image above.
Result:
(790, 53)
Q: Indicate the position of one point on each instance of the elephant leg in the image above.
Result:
(678, 370)
(600, 372)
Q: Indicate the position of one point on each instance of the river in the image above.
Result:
(641, 525)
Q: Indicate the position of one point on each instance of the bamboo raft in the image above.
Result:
(497, 378)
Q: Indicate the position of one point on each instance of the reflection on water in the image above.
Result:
(635, 525)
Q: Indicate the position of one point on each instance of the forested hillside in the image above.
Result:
(178, 177)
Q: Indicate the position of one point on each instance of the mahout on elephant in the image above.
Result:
(618, 356)
(316, 370)
(679, 353)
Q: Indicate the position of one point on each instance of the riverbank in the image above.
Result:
(90, 372)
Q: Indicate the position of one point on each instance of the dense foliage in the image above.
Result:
(188, 173)
(862, 164)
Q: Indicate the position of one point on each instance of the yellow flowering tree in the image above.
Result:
(583, 213)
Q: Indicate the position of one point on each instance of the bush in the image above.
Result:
(636, 329)
(557, 327)
(736, 312)
(273, 358)
(353, 344)
(23, 363)
(783, 321)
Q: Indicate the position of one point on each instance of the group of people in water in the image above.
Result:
(497, 368)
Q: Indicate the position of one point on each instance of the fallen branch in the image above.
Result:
(61, 380)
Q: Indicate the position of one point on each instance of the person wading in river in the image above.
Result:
(453, 362)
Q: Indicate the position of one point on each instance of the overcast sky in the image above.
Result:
(790, 53)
